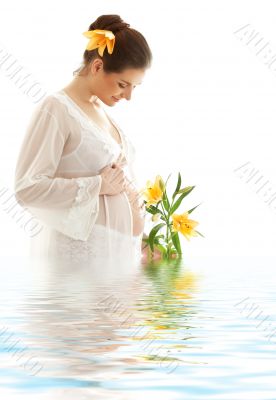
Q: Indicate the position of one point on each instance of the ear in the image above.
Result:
(96, 65)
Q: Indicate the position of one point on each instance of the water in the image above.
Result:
(203, 329)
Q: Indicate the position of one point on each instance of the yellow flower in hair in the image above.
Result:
(100, 38)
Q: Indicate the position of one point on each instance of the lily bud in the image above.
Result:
(156, 217)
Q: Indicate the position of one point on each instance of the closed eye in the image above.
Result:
(121, 86)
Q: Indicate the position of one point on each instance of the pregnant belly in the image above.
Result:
(115, 213)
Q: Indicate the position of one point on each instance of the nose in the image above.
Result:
(127, 93)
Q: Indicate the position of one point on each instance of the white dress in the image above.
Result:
(57, 179)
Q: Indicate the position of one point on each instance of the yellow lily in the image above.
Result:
(153, 192)
(184, 225)
(100, 38)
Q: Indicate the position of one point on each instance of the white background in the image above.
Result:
(206, 107)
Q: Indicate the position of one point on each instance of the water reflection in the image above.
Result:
(167, 308)
(122, 332)
(86, 321)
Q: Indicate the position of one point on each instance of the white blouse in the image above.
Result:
(57, 178)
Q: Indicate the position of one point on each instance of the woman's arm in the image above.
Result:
(69, 205)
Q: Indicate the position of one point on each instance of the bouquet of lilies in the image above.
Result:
(164, 235)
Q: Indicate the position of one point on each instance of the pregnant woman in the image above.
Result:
(74, 171)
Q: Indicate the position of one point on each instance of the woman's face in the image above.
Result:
(111, 86)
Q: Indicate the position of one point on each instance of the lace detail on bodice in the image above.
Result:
(91, 130)
(75, 113)
(86, 123)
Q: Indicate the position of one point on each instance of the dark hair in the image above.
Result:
(131, 49)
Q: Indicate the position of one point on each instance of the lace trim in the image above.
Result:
(86, 125)
(82, 193)
(78, 115)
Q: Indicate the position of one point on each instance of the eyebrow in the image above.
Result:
(129, 82)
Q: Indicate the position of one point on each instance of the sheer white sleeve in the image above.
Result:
(69, 205)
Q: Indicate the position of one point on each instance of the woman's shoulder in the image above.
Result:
(52, 103)
(51, 99)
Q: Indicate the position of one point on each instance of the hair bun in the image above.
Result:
(131, 49)
(109, 22)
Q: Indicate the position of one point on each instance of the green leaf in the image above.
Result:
(176, 242)
(145, 241)
(192, 209)
(153, 233)
(151, 211)
(161, 248)
(167, 180)
(184, 192)
(165, 197)
(154, 210)
(157, 211)
(154, 207)
(177, 186)
(155, 240)
(166, 201)
(187, 188)
(161, 184)
(199, 233)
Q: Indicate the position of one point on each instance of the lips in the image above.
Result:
(115, 98)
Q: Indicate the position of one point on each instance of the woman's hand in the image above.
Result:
(123, 184)
(113, 180)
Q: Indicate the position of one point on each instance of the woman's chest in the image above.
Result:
(99, 118)
(89, 156)
(88, 150)
(93, 141)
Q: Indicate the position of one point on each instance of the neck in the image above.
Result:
(79, 87)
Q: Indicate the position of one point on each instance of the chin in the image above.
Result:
(107, 102)
(111, 103)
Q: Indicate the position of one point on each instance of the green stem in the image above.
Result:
(167, 218)
(164, 211)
